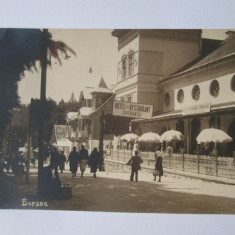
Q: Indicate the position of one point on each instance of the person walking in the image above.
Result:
(169, 151)
(54, 161)
(93, 161)
(135, 162)
(73, 161)
(158, 171)
(62, 161)
(83, 159)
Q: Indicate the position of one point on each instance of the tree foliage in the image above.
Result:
(19, 51)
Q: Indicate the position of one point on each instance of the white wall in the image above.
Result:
(225, 92)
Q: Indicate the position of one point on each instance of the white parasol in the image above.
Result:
(149, 137)
(130, 137)
(213, 135)
(170, 135)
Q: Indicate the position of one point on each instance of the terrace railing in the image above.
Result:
(207, 165)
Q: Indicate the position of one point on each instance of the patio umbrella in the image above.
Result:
(213, 135)
(130, 137)
(170, 135)
(150, 137)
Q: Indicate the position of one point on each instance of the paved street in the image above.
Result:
(113, 192)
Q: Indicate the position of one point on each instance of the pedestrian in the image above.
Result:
(54, 161)
(135, 162)
(158, 171)
(62, 161)
(93, 161)
(83, 159)
(169, 151)
(135, 148)
(73, 161)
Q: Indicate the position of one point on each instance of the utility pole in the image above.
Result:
(101, 141)
(42, 107)
(29, 143)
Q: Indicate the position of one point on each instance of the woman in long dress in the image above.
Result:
(73, 162)
(93, 161)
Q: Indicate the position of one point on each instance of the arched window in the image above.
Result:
(233, 83)
(180, 96)
(214, 88)
(196, 92)
(167, 99)
(214, 122)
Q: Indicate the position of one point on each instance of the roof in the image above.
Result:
(84, 111)
(102, 88)
(86, 93)
(71, 116)
(223, 50)
(101, 106)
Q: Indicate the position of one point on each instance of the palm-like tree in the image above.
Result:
(20, 49)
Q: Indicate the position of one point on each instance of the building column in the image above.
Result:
(188, 135)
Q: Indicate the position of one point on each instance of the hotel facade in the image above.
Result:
(190, 81)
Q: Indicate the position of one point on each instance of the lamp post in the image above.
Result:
(101, 141)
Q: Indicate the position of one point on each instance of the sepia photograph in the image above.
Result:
(118, 120)
(117, 117)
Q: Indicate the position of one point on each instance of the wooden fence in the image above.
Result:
(220, 166)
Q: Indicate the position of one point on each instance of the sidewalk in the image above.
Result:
(167, 171)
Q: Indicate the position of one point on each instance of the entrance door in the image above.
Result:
(195, 130)
(179, 127)
(231, 133)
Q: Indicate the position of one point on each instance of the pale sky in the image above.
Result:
(96, 49)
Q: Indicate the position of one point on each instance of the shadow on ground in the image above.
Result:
(117, 195)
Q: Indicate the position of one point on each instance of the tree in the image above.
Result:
(72, 98)
(19, 51)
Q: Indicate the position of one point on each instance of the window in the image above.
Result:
(167, 99)
(196, 92)
(83, 124)
(180, 96)
(134, 97)
(124, 69)
(233, 83)
(99, 100)
(109, 105)
(131, 63)
(214, 88)
(129, 98)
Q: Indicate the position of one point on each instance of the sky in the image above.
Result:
(96, 49)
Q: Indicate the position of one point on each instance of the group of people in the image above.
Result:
(75, 158)
(136, 161)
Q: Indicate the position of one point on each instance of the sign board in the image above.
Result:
(196, 109)
(133, 110)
